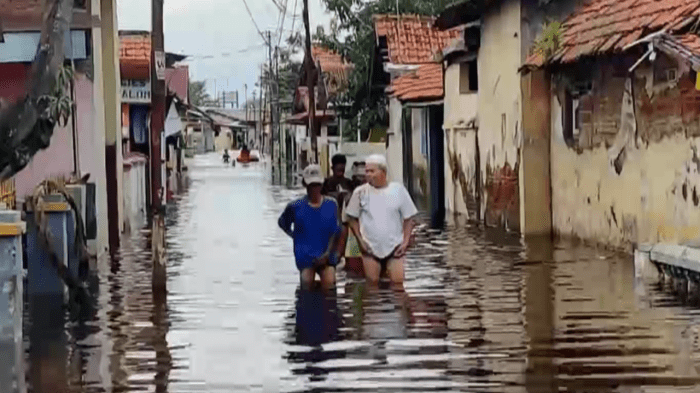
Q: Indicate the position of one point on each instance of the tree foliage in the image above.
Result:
(352, 35)
(197, 93)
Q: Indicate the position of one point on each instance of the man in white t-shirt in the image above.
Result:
(381, 217)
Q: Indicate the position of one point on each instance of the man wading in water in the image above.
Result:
(381, 217)
(315, 231)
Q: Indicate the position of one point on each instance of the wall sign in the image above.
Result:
(160, 65)
(136, 91)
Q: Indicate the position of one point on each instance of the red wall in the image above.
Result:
(13, 80)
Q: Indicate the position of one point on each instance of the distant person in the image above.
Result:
(339, 187)
(381, 217)
(353, 255)
(312, 221)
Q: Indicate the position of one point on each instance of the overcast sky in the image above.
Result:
(222, 29)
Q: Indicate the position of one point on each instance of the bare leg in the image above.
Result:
(395, 268)
(328, 277)
(308, 276)
(372, 269)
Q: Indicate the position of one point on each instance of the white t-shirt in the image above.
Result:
(381, 212)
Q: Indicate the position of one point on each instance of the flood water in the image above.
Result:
(481, 312)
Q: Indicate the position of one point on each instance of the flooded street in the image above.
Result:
(481, 312)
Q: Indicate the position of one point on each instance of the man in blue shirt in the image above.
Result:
(312, 221)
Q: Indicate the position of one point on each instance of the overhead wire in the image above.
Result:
(254, 22)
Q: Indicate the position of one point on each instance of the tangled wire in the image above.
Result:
(37, 205)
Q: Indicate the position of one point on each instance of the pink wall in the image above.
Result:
(178, 80)
(57, 159)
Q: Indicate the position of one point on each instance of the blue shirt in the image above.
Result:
(313, 229)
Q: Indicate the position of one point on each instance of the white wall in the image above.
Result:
(395, 150)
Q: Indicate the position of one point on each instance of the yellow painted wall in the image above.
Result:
(655, 197)
(460, 143)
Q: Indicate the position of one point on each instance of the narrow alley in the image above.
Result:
(482, 313)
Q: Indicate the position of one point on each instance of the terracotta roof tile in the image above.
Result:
(135, 56)
(412, 39)
(691, 41)
(607, 26)
(334, 65)
(424, 84)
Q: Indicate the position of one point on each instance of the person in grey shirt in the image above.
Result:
(381, 217)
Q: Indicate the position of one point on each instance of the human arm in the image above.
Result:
(286, 220)
(332, 246)
(408, 211)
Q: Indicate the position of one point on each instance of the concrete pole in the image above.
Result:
(157, 103)
(11, 303)
(111, 210)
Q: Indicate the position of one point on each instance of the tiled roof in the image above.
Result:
(424, 85)
(333, 65)
(607, 26)
(690, 41)
(135, 56)
(412, 39)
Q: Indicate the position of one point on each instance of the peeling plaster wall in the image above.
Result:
(648, 193)
(460, 146)
(419, 126)
(394, 150)
(500, 113)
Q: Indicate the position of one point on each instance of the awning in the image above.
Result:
(302, 119)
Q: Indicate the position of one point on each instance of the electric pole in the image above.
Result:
(310, 83)
(157, 101)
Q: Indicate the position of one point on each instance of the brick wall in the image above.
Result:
(26, 15)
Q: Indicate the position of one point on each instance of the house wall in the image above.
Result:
(394, 151)
(648, 193)
(500, 113)
(419, 124)
(134, 201)
(460, 146)
(57, 159)
(224, 140)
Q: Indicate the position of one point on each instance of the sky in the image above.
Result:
(222, 29)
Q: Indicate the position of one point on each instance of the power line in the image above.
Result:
(294, 17)
(281, 28)
(253, 19)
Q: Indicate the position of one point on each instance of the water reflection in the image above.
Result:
(480, 311)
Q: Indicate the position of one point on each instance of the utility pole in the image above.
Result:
(270, 93)
(158, 188)
(310, 83)
(260, 119)
(157, 101)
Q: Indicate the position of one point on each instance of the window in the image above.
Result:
(572, 119)
(333, 130)
(468, 77)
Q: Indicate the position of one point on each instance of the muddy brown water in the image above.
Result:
(481, 312)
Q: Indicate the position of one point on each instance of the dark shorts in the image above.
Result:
(308, 265)
(384, 262)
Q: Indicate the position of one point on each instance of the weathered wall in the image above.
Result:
(224, 140)
(360, 151)
(499, 113)
(622, 184)
(421, 190)
(461, 160)
(394, 152)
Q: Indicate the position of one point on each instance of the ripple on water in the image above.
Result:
(480, 311)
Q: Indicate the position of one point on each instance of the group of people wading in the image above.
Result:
(366, 220)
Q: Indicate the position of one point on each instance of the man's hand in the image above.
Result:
(365, 249)
(321, 261)
(401, 250)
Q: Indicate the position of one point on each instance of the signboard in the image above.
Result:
(136, 91)
(160, 65)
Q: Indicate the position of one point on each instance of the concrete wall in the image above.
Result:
(421, 178)
(460, 146)
(500, 113)
(57, 159)
(620, 185)
(394, 152)
(134, 193)
(359, 152)
(224, 140)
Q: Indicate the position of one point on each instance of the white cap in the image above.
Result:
(312, 175)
